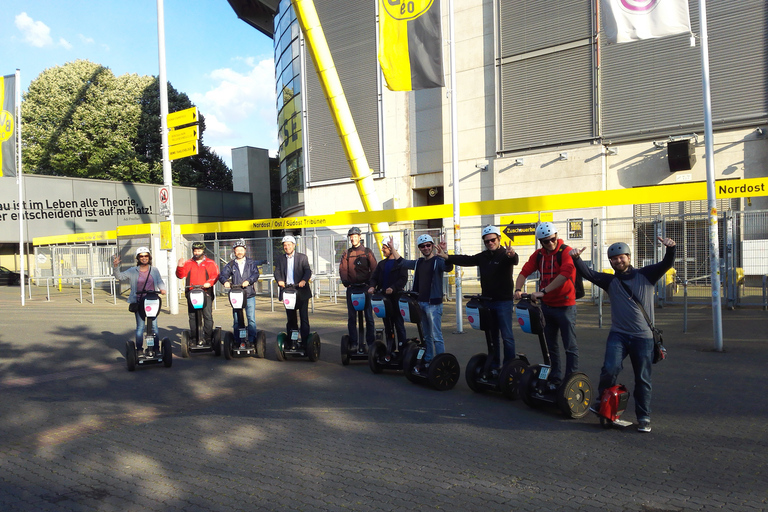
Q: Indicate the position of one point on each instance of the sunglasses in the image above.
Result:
(489, 240)
(548, 240)
(428, 246)
(143, 255)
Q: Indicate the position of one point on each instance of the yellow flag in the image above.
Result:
(8, 125)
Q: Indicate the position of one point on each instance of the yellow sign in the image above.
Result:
(183, 135)
(182, 117)
(166, 240)
(182, 150)
(521, 229)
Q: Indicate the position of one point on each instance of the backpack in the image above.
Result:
(578, 283)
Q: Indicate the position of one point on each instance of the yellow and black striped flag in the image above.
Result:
(410, 44)
(8, 125)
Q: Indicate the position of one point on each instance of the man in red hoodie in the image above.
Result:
(200, 271)
(557, 292)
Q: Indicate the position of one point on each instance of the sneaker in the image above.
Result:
(644, 426)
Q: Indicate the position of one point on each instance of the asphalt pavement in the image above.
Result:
(78, 432)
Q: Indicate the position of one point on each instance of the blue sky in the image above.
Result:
(223, 64)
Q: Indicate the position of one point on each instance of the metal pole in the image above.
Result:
(173, 283)
(455, 167)
(19, 179)
(714, 245)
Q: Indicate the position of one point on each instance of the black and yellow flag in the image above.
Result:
(8, 125)
(410, 44)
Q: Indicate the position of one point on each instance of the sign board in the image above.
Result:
(521, 229)
(166, 240)
(576, 229)
(182, 135)
(182, 150)
(182, 117)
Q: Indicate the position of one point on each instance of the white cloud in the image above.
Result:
(239, 109)
(63, 42)
(85, 40)
(35, 33)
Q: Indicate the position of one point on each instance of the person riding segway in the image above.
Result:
(355, 271)
(201, 274)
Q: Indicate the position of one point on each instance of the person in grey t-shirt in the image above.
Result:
(630, 334)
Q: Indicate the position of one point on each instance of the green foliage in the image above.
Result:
(79, 120)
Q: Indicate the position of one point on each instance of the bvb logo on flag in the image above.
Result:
(407, 9)
(638, 6)
(6, 125)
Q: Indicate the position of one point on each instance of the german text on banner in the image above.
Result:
(410, 44)
(8, 125)
(633, 20)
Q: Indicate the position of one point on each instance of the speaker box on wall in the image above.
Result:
(681, 155)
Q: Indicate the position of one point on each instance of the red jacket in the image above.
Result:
(549, 269)
(198, 273)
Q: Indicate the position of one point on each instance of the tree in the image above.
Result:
(80, 120)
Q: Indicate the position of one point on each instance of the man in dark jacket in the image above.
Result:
(242, 271)
(390, 278)
(292, 270)
(355, 270)
(630, 334)
(495, 264)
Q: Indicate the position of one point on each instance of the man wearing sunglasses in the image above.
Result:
(495, 264)
(557, 292)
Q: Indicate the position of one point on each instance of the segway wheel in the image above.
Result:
(375, 356)
(216, 341)
(184, 343)
(575, 395)
(261, 344)
(167, 353)
(444, 372)
(279, 346)
(345, 349)
(130, 355)
(229, 341)
(510, 376)
(313, 347)
(527, 383)
(474, 371)
(409, 362)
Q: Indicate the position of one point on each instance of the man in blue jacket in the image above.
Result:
(245, 272)
(428, 283)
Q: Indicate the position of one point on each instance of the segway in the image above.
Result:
(387, 353)
(290, 343)
(350, 352)
(574, 395)
(443, 372)
(480, 373)
(196, 297)
(236, 343)
(613, 403)
(154, 351)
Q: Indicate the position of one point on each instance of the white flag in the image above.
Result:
(633, 20)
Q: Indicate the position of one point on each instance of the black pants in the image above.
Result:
(301, 310)
(207, 317)
(370, 329)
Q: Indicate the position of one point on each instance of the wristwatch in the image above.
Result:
(544, 291)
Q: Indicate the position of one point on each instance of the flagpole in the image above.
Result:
(714, 242)
(19, 181)
(455, 168)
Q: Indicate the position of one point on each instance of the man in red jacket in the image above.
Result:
(558, 296)
(199, 271)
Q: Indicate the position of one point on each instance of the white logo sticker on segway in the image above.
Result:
(473, 316)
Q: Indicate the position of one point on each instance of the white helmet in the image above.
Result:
(395, 243)
(142, 250)
(289, 238)
(545, 230)
(424, 239)
(487, 230)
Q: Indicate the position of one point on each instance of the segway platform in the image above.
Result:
(236, 344)
(349, 351)
(155, 351)
(290, 344)
(190, 346)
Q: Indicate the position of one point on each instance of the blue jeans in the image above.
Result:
(640, 351)
(250, 317)
(370, 329)
(501, 314)
(562, 319)
(141, 324)
(431, 325)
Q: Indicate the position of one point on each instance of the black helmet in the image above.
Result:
(198, 245)
(618, 248)
(353, 231)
